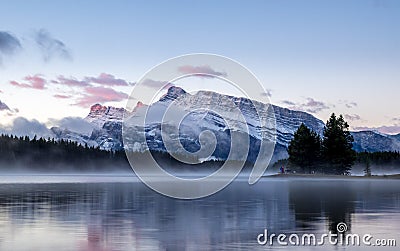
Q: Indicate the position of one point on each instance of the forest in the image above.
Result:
(39, 154)
(22, 154)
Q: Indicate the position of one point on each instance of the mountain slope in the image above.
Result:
(198, 120)
(4, 107)
(371, 141)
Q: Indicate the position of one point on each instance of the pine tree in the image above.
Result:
(367, 170)
(337, 146)
(304, 149)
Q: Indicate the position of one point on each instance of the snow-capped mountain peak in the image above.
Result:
(99, 115)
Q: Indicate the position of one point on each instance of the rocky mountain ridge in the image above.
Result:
(107, 122)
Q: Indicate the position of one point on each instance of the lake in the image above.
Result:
(120, 213)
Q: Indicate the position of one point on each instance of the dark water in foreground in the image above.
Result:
(120, 215)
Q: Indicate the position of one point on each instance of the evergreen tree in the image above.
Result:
(367, 170)
(304, 149)
(337, 146)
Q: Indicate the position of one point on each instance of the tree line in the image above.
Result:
(56, 155)
(50, 155)
(388, 161)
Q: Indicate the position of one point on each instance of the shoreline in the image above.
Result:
(331, 176)
(132, 173)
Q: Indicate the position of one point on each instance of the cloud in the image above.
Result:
(104, 79)
(348, 104)
(287, 102)
(310, 105)
(391, 129)
(386, 129)
(62, 96)
(157, 84)
(38, 81)
(351, 104)
(9, 44)
(267, 93)
(34, 82)
(69, 81)
(15, 83)
(99, 95)
(24, 127)
(85, 92)
(204, 71)
(107, 80)
(74, 124)
(352, 117)
(50, 47)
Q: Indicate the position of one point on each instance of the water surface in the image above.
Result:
(118, 213)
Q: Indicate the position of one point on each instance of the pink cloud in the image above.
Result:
(38, 82)
(61, 96)
(100, 95)
(91, 89)
(71, 81)
(204, 70)
(15, 83)
(34, 82)
(107, 80)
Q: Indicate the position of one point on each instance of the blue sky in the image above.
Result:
(316, 56)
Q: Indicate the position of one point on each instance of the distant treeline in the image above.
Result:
(379, 158)
(23, 153)
(367, 162)
(50, 155)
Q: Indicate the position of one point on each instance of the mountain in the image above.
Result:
(107, 129)
(287, 121)
(371, 141)
(107, 122)
(99, 115)
(396, 137)
(4, 107)
(198, 120)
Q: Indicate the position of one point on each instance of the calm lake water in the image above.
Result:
(115, 213)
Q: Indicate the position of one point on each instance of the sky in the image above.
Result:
(57, 58)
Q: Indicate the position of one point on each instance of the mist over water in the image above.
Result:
(101, 212)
